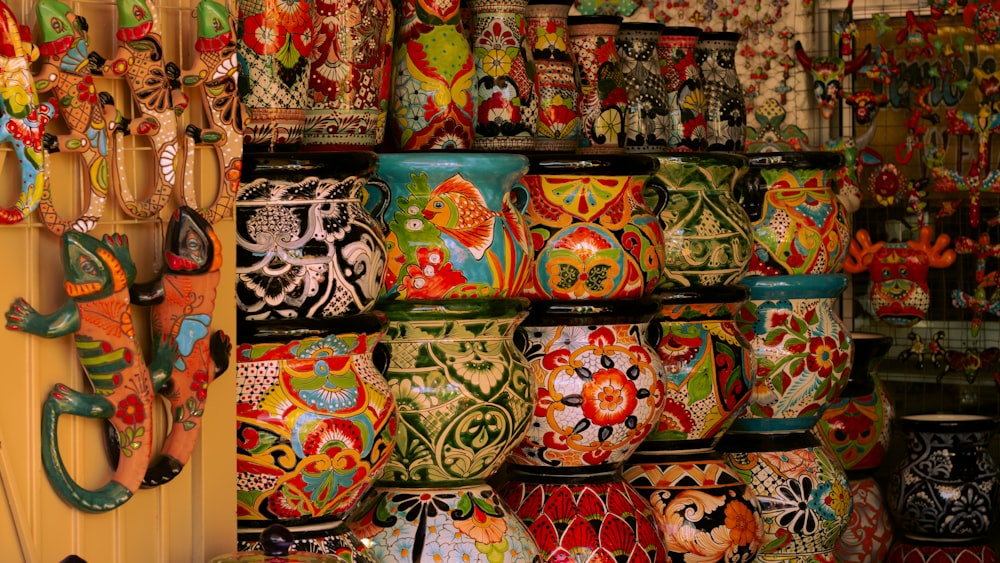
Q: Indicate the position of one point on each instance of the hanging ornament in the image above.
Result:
(915, 37)
(866, 104)
(880, 24)
(984, 18)
(773, 135)
(769, 55)
(828, 75)
(988, 88)
(977, 180)
(886, 185)
(786, 35)
(941, 7)
(916, 194)
(779, 5)
(883, 66)
(845, 30)
(783, 89)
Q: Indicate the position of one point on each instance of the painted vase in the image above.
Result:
(725, 106)
(433, 102)
(647, 123)
(454, 524)
(800, 223)
(804, 495)
(350, 71)
(868, 534)
(454, 224)
(709, 367)
(589, 517)
(463, 388)
(558, 127)
(684, 85)
(704, 509)
(912, 551)
(506, 96)
(315, 421)
(603, 96)
(707, 236)
(804, 351)
(857, 426)
(305, 245)
(275, 40)
(599, 381)
(593, 234)
(945, 487)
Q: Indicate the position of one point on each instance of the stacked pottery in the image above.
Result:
(725, 107)
(684, 85)
(315, 419)
(458, 257)
(603, 102)
(555, 74)
(647, 123)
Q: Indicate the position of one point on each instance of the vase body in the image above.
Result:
(868, 534)
(454, 224)
(683, 82)
(603, 96)
(647, 123)
(316, 422)
(725, 106)
(945, 487)
(704, 509)
(707, 236)
(593, 234)
(350, 73)
(306, 247)
(800, 224)
(277, 96)
(506, 95)
(433, 99)
(558, 127)
(803, 350)
(804, 495)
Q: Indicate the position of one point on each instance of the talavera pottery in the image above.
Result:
(704, 509)
(868, 534)
(278, 544)
(558, 126)
(805, 499)
(707, 236)
(593, 234)
(945, 487)
(647, 123)
(454, 225)
(725, 106)
(306, 247)
(909, 551)
(800, 223)
(804, 351)
(684, 85)
(603, 97)
(599, 380)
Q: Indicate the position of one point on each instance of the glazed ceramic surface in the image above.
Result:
(647, 123)
(709, 367)
(599, 381)
(704, 509)
(603, 97)
(464, 390)
(804, 495)
(905, 551)
(455, 228)
(314, 542)
(725, 107)
(945, 487)
(804, 351)
(306, 247)
(707, 236)
(868, 534)
(800, 224)
(558, 126)
(452, 524)
(593, 234)
(684, 85)
(315, 419)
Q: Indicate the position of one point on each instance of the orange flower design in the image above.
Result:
(609, 397)
(741, 523)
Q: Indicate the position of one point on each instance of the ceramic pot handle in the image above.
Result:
(378, 206)
(656, 194)
(520, 197)
(381, 356)
(750, 194)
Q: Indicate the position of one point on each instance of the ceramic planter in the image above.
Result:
(725, 106)
(603, 97)
(684, 85)
(868, 534)
(305, 245)
(592, 233)
(555, 74)
(454, 225)
(647, 123)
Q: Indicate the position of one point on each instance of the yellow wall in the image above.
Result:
(191, 518)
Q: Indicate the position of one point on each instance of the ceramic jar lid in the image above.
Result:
(277, 542)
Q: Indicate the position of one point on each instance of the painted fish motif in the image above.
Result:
(458, 209)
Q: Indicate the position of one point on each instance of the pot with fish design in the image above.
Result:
(454, 225)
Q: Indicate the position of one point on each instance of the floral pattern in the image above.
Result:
(685, 98)
(868, 534)
(725, 108)
(857, 428)
(558, 126)
(603, 97)
(648, 125)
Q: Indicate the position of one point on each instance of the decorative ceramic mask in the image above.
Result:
(828, 76)
(866, 104)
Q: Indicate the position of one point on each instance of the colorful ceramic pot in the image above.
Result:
(433, 100)
(448, 525)
(463, 389)
(945, 487)
(868, 534)
(912, 551)
(705, 510)
(800, 224)
(555, 75)
(454, 225)
(647, 123)
(315, 421)
(506, 95)
(313, 542)
(305, 245)
(684, 85)
(709, 367)
(804, 351)
(857, 426)
(725, 106)
(707, 236)
(350, 70)
(592, 517)
(603, 97)
(599, 381)
(805, 499)
(593, 234)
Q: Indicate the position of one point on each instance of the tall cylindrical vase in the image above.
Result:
(725, 108)
(647, 123)
(685, 88)
(603, 96)
(555, 74)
